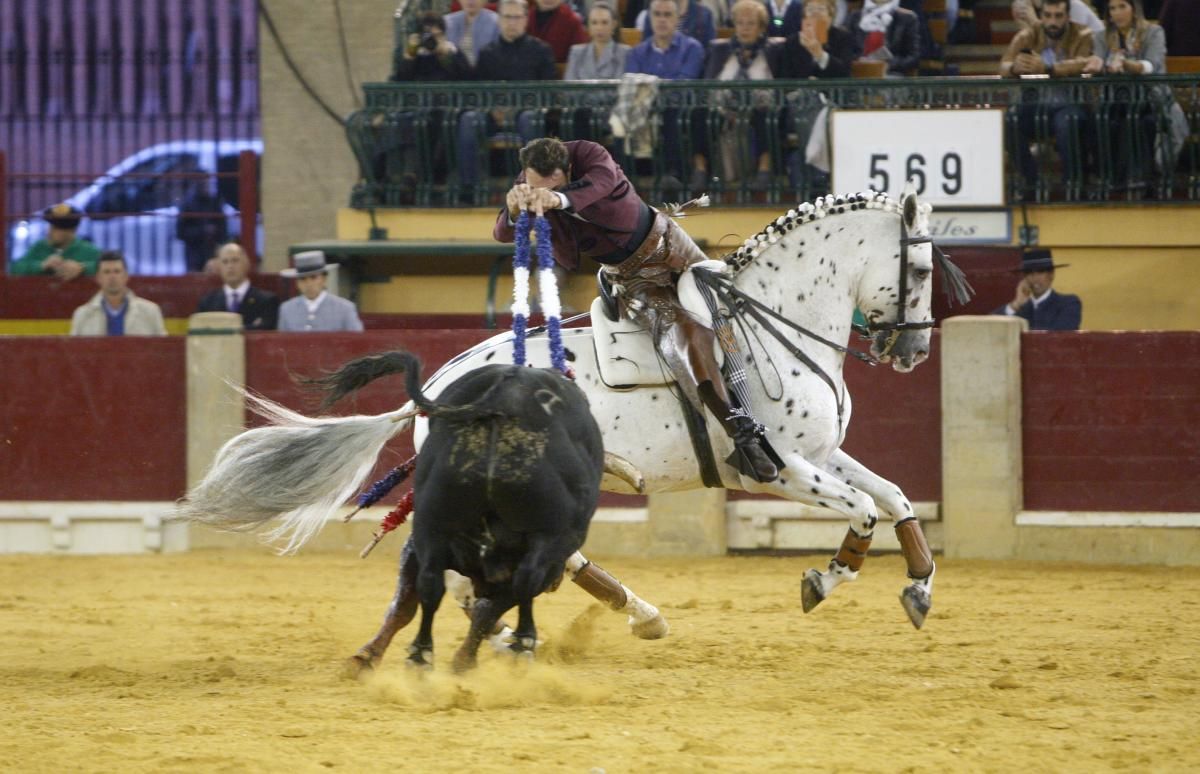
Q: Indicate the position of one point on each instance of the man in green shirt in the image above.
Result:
(61, 253)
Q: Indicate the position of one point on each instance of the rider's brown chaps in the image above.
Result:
(649, 297)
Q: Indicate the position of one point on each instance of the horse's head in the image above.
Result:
(896, 291)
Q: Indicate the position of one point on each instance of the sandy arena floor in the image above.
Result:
(229, 661)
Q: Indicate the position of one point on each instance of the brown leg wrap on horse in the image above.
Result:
(604, 587)
(853, 551)
(915, 549)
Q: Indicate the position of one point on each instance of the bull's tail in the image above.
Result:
(297, 468)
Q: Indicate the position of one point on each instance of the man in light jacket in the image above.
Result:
(115, 310)
(315, 309)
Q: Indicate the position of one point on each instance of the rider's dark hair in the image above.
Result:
(545, 156)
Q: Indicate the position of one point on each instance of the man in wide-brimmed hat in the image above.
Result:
(1036, 300)
(61, 253)
(315, 309)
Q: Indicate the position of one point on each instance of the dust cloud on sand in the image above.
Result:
(231, 661)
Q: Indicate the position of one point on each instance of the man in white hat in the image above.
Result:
(315, 309)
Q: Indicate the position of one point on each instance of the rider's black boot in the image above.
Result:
(748, 455)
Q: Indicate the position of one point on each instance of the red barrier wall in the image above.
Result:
(92, 419)
(1112, 421)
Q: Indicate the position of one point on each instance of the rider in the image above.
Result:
(595, 211)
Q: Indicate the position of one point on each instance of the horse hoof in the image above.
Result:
(811, 594)
(916, 603)
(654, 628)
(358, 667)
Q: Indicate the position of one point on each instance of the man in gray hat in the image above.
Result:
(1036, 300)
(315, 309)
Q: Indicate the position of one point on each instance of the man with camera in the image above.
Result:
(429, 55)
(426, 56)
(1058, 48)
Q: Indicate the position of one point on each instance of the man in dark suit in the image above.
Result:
(259, 309)
(1037, 302)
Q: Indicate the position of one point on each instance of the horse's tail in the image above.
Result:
(298, 468)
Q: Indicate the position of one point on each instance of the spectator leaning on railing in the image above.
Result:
(116, 310)
(1131, 45)
(885, 32)
(472, 29)
(1061, 49)
(515, 56)
(61, 253)
(670, 55)
(554, 22)
(748, 56)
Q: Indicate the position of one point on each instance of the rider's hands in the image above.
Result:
(525, 197)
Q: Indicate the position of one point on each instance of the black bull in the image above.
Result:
(504, 490)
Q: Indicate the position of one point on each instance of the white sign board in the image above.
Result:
(954, 157)
(971, 227)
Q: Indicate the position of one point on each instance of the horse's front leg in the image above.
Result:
(917, 596)
(807, 483)
(400, 612)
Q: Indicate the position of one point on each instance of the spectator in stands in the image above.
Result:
(61, 253)
(472, 29)
(1131, 45)
(515, 56)
(778, 12)
(670, 55)
(694, 20)
(885, 32)
(116, 310)
(1036, 300)
(428, 56)
(1180, 20)
(1059, 48)
(819, 48)
(554, 22)
(747, 56)
(602, 58)
(315, 309)
(259, 308)
(1025, 13)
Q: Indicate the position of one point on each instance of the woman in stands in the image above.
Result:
(1131, 45)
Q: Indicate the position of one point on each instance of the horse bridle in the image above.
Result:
(900, 325)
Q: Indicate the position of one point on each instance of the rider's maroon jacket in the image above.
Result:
(599, 193)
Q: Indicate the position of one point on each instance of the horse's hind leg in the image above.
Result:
(644, 619)
(400, 612)
(917, 596)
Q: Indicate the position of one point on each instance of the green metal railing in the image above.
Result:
(409, 137)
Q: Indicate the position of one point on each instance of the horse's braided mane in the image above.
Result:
(806, 213)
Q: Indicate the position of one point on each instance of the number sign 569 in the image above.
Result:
(949, 181)
(952, 157)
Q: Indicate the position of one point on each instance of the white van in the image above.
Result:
(134, 209)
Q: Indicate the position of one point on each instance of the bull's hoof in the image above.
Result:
(358, 667)
(916, 602)
(654, 628)
(811, 593)
(419, 658)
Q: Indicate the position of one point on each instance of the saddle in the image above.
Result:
(625, 350)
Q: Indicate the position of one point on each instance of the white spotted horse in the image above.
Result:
(785, 303)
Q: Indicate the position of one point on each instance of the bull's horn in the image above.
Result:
(624, 470)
